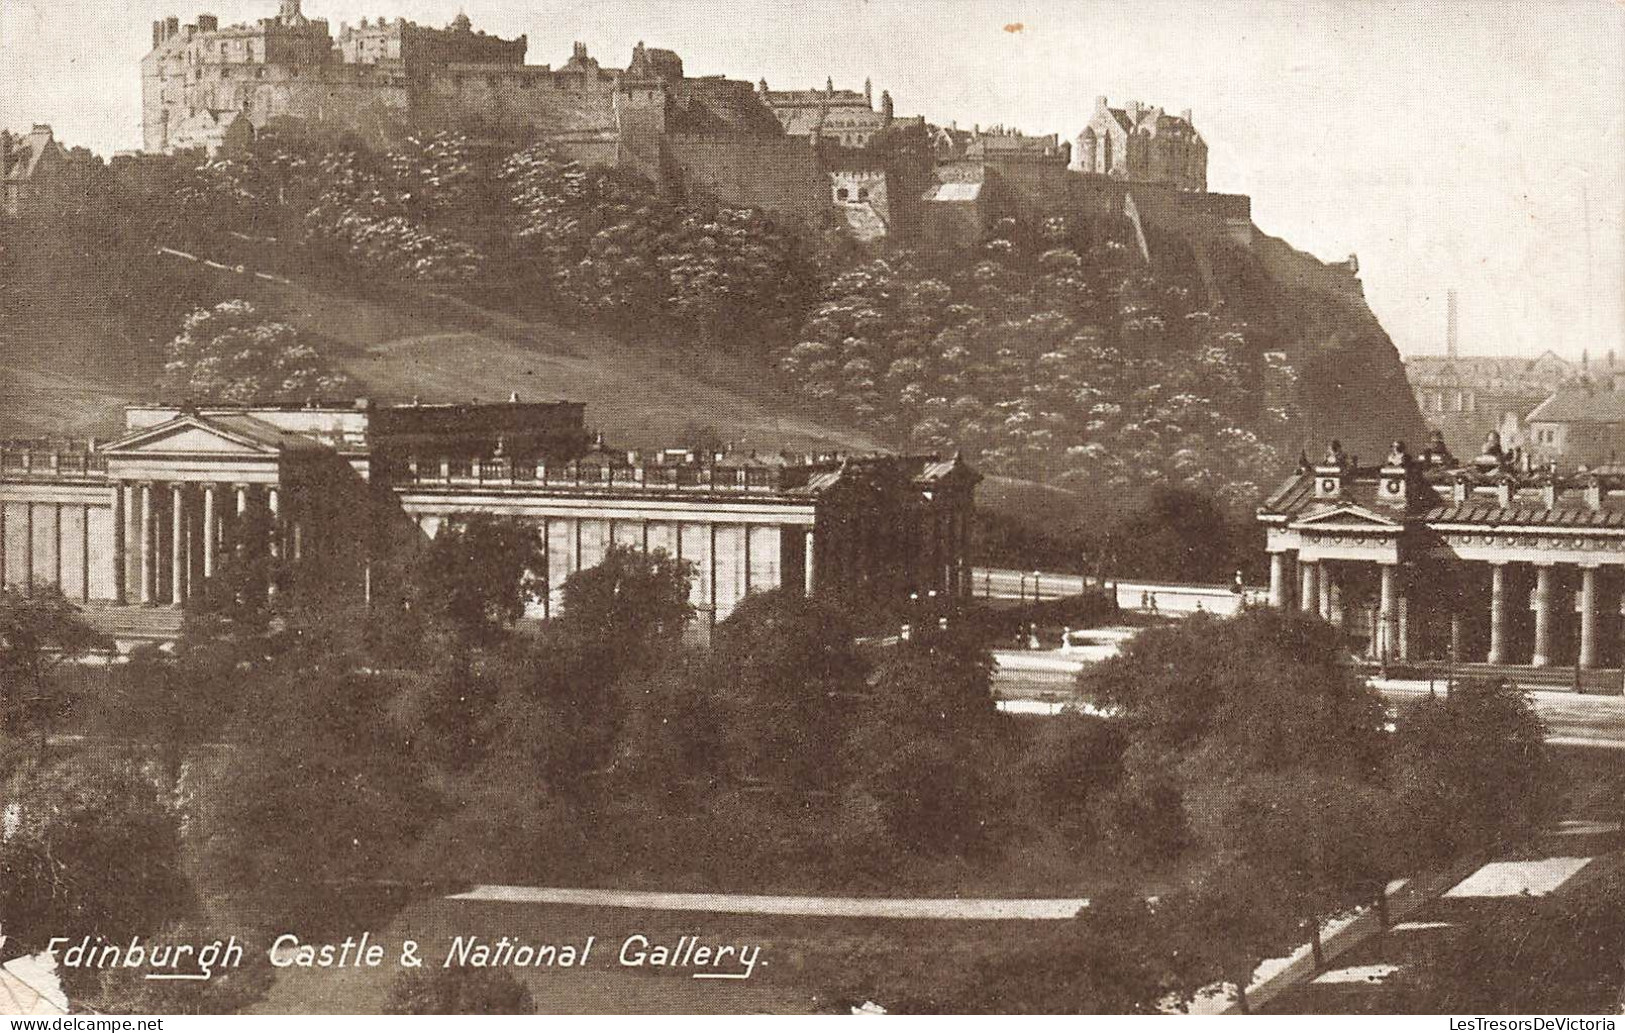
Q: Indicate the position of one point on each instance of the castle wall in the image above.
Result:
(510, 97)
(780, 174)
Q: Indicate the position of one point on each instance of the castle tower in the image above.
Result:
(887, 109)
(290, 12)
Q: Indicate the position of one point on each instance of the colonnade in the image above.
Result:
(171, 536)
(1456, 591)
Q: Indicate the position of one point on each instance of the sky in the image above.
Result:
(1473, 145)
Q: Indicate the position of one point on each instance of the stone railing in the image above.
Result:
(33, 460)
(589, 476)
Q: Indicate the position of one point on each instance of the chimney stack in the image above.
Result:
(1451, 343)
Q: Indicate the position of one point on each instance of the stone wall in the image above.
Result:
(780, 174)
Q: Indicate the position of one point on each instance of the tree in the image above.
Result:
(630, 603)
(1180, 532)
(1471, 771)
(789, 674)
(323, 795)
(1264, 691)
(930, 708)
(478, 573)
(90, 850)
(458, 991)
(1554, 954)
(233, 353)
(39, 631)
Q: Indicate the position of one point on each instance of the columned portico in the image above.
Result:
(1308, 591)
(1278, 587)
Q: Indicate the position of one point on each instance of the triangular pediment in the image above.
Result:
(187, 435)
(1349, 517)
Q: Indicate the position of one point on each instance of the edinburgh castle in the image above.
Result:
(808, 152)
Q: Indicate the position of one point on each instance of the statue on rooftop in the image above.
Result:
(1334, 455)
(1398, 456)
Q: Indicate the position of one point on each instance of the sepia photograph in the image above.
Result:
(812, 508)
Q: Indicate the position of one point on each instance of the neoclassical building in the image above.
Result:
(1422, 558)
(133, 527)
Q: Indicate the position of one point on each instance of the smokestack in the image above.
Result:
(1451, 341)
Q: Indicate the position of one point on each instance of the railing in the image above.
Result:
(507, 473)
(35, 463)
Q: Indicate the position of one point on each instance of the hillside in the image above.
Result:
(1054, 355)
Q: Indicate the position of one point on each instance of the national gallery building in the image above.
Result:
(133, 527)
(1426, 559)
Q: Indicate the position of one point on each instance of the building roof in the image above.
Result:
(962, 192)
(31, 150)
(1581, 405)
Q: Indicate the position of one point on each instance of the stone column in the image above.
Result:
(1543, 617)
(1308, 594)
(1498, 614)
(210, 530)
(808, 561)
(1326, 579)
(1588, 616)
(1388, 615)
(1278, 580)
(273, 505)
(119, 571)
(177, 557)
(148, 566)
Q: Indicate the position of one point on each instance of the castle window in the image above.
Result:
(863, 193)
(842, 194)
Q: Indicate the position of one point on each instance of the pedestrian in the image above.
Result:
(1145, 600)
(1153, 602)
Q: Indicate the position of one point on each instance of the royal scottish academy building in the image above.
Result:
(1420, 558)
(133, 528)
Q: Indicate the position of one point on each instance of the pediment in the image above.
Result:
(187, 435)
(1348, 518)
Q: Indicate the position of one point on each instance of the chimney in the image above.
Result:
(1186, 115)
(208, 23)
(157, 33)
(172, 27)
(1100, 103)
(1451, 344)
(1594, 494)
(1133, 109)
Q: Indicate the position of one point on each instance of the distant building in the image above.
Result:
(1461, 395)
(1430, 559)
(39, 176)
(1142, 144)
(135, 526)
(843, 117)
(1580, 425)
(385, 78)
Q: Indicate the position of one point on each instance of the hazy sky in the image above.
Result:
(1448, 144)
